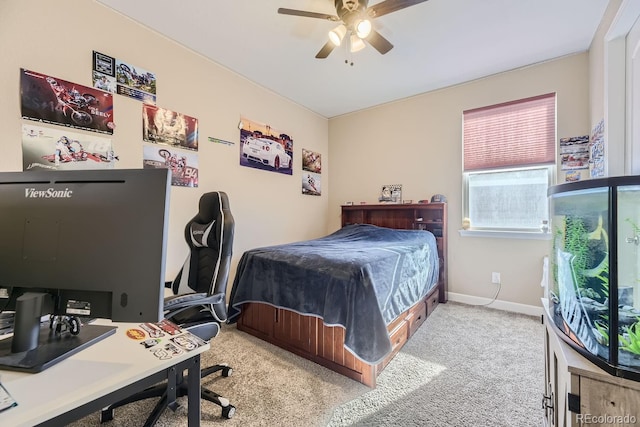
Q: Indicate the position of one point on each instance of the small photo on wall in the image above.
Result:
(311, 183)
(163, 126)
(183, 164)
(311, 161)
(391, 193)
(126, 79)
(574, 152)
(58, 148)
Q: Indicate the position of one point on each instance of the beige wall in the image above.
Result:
(57, 38)
(417, 142)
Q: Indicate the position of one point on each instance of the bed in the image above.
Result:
(347, 301)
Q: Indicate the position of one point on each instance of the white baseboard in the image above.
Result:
(515, 307)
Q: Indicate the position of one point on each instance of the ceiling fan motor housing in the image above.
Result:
(350, 10)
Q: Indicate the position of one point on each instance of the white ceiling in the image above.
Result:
(437, 43)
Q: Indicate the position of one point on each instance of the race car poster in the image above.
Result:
(183, 164)
(163, 126)
(119, 77)
(58, 148)
(51, 100)
(311, 170)
(263, 147)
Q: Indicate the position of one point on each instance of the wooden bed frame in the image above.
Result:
(309, 337)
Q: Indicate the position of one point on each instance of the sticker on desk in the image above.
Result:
(6, 400)
(167, 351)
(169, 327)
(150, 342)
(153, 330)
(188, 341)
(136, 334)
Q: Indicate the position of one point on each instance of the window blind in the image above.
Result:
(512, 134)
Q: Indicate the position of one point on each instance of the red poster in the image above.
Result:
(51, 100)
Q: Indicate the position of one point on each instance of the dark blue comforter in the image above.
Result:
(361, 277)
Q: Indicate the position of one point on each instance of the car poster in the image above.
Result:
(119, 77)
(51, 100)
(58, 148)
(163, 126)
(183, 164)
(311, 170)
(266, 148)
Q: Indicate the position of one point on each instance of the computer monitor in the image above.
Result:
(79, 244)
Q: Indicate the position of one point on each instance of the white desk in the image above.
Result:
(102, 374)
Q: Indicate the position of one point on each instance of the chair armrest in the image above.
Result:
(178, 302)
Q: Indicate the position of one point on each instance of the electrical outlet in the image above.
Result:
(495, 278)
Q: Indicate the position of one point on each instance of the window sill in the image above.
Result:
(524, 235)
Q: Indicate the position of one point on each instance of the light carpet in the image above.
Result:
(466, 366)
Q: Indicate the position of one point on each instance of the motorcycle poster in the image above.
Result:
(57, 148)
(311, 161)
(311, 183)
(311, 173)
(51, 100)
(163, 126)
(183, 164)
(119, 77)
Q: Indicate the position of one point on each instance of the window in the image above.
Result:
(509, 162)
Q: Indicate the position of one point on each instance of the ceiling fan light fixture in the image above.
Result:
(363, 28)
(357, 44)
(337, 34)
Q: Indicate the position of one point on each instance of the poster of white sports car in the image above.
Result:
(263, 147)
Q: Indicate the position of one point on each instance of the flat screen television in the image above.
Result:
(77, 245)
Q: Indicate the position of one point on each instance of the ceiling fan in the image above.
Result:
(355, 23)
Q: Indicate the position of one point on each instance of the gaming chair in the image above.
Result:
(196, 299)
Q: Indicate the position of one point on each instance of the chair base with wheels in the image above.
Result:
(160, 390)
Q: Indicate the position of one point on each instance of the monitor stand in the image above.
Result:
(52, 348)
(36, 346)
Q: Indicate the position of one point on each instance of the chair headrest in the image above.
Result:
(202, 235)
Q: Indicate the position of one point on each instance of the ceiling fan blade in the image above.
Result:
(388, 6)
(380, 44)
(326, 50)
(285, 11)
